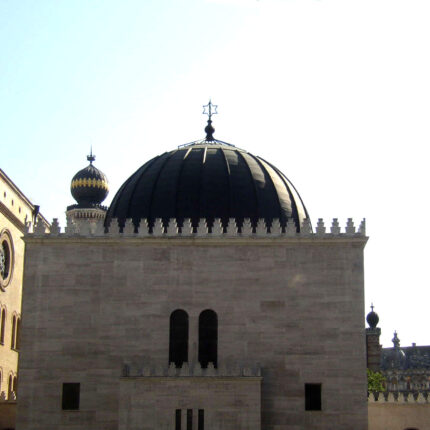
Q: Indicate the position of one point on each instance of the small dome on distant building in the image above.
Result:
(394, 358)
(372, 318)
(89, 186)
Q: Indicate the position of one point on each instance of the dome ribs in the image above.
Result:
(208, 181)
(298, 216)
(213, 186)
(283, 213)
(188, 188)
(242, 205)
(120, 206)
(140, 204)
(263, 200)
(163, 202)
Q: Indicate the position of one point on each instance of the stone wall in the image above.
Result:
(291, 305)
(391, 413)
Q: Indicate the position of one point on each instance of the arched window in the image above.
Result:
(17, 333)
(15, 385)
(12, 341)
(2, 325)
(208, 338)
(9, 388)
(178, 340)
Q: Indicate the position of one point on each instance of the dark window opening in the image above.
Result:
(17, 333)
(208, 338)
(178, 419)
(12, 339)
(70, 399)
(189, 419)
(201, 421)
(2, 326)
(312, 397)
(178, 341)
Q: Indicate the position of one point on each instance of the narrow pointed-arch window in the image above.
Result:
(15, 385)
(17, 333)
(208, 338)
(178, 340)
(13, 337)
(9, 388)
(2, 325)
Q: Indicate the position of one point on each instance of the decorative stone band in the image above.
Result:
(130, 370)
(89, 182)
(399, 397)
(95, 227)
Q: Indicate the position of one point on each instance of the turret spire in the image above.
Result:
(91, 157)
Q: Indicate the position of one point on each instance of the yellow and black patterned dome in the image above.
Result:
(89, 186)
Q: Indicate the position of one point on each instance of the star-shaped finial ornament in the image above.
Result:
(210, 109)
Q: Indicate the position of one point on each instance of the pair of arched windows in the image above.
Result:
(12, 386)
(208, 338)
(16, 329)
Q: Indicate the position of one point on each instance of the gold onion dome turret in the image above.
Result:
(89, 186)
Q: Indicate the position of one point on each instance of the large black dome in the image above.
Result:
(207, 180)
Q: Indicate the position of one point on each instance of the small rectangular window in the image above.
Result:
(189, 419)
(70, 399)
(312, 397)
(178, 419)
(201, 421)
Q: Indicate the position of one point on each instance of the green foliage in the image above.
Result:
(375, 381)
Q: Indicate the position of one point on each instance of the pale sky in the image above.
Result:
(335, 93)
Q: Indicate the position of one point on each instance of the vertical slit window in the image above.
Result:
(189, 419)
(178, 340)
(178, 419)
(208, 338)
(201, 421)
(15, 385)
(71, 394)
(17, 333)
(2, 325)
(312, 397)
(12, 341)
(9, 388)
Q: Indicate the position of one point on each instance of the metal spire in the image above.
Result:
(210, 110)
(91, 157)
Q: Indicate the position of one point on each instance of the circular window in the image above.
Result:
(6, 259)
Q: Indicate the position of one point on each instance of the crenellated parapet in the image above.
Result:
(203, 229)
(420, 397)
(193, 370)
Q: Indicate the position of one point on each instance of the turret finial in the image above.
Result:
(91, 157)
(396, 340)
(209, 110)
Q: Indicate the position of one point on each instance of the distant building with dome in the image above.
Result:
(202, 299)
(405, 403)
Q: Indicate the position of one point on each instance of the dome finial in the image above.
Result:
(396, 340)
(372, 318)
(91, 157)
(210, 110)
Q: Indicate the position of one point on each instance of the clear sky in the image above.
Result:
(335, 93)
